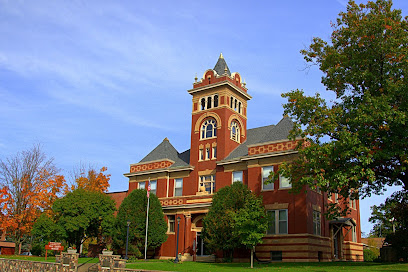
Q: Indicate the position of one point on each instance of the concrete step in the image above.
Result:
(206, 259)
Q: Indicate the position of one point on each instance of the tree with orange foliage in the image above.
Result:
(29, 185)
(89, 179)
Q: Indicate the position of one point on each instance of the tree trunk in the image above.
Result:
(252, 257)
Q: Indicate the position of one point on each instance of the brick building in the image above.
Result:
(223, 150)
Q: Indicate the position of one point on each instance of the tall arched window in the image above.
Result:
(209, 129)
(202, 103)
(235, 131)
(215, 100)
(209, 102)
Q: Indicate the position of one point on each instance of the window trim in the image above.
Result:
(277, 222)
(317, 223)
(237, 172)
(144, 184)
(151, 189)
(237, 135)
(175, 183)
(169, 222)
(204, 130)
(262, 177)
(201, 180)
(280, 183)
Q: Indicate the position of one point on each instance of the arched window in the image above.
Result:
(215, 100)
(202, 103)
(232, 105)
(235, 131)
(239, 107)
(209, 129)
(209, 102)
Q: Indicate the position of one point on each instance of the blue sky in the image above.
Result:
(104, 82)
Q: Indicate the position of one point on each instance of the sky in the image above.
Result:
(104, 82)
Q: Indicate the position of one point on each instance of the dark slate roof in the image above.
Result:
(165, 150)
(220, 66)
(262, 135)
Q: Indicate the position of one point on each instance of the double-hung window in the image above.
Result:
(277, 221)
(178, 187)
(171, 223)
(208, 182)
(153, 186)
(284, 182)
(265, 174)
(237, 176)
(142, 185)
(316, 223)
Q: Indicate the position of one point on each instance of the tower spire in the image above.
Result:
(221, 66)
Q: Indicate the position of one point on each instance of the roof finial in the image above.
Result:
(195, 79)
(165, 139)
(244, 83)
(221, 56)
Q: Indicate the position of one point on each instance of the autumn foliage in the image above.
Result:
(28, 186)
(91, 180)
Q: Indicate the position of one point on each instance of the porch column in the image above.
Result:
(188, 244)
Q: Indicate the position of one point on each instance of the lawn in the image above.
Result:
(289, 267)
(215, 267)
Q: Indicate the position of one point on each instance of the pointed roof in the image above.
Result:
(221, 66)
(165, 150)
(260, 135)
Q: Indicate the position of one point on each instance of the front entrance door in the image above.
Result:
(201, 248)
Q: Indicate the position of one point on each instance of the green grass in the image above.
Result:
(42, 259)
(215, 267)
(286, 267)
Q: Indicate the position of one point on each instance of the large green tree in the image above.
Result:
(82, 214)
(357, 142)
(236, 219)
(134, 210)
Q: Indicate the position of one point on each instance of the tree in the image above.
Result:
(82, 214)
(133, 209)
(29, 184)
(354, 145)
(394, 214)
(236, 218)
(88, 178)
(382, 219)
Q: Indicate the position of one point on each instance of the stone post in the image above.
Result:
(109, 262)
(68, 261)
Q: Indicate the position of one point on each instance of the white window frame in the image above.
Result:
(278, 222)
(176, 188)
(203, 130)
(153, 187)
(171, 220)
(214, 152)
(238, 176)
(201, 154)
(209, 102)
(263, 177)
(282, 178)
(207, 153)
(317, 223)
(203, 180)
(140, 186)
(237, 135)
(354, 234)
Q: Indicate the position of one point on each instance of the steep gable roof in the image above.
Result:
(165, 150)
